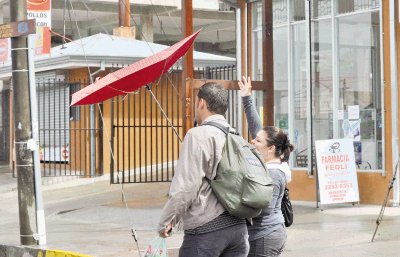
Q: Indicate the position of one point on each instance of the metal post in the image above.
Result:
(310, 141)
(187, 69)
(92, 141)
(268, 63)
(23, 130)
(92, 126)
(124, 13)
(243, 34)
(40, 220)
(394, 98)
(239, 66)
(335, 71)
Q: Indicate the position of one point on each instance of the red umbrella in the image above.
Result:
(134, 76)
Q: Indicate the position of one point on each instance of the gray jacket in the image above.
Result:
(271, 216)
(190, 196)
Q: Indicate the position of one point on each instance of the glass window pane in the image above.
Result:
(299, 76)
(256, 41)
(321, 76)
(281, 78)
(279, 12)
(321, 8)
(360, 86)
(298, 10)
(347, 6)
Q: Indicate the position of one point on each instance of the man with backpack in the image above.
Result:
(209, 229)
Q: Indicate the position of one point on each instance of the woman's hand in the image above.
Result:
(245, 86)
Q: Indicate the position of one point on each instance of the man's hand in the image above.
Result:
(245, 86)
(165, 233)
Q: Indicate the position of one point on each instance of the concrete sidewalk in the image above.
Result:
(88, 216)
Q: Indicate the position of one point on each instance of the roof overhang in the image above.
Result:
(69, 62)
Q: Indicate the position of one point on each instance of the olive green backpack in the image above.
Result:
(242, 183)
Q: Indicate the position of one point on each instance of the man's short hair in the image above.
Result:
(216, 97)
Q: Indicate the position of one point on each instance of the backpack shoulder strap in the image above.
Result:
(223, 128)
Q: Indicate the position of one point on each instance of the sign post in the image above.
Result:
(40, 218)
(337, 174)
(15, 30)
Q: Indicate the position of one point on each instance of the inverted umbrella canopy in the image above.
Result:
(134, 76)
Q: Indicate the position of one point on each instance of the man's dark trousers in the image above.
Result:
(227, 242)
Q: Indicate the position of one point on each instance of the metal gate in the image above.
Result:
(64, 132)
(144, 145)
(4, 125)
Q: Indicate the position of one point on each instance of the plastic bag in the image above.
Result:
(156, 248)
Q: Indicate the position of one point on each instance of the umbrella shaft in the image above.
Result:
(165, 115)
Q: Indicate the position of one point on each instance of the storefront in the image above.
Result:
(331, 62)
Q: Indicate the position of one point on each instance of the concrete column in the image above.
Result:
(146, 24)
(1, 14)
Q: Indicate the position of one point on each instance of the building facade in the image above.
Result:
(332, 79)
(335, 76)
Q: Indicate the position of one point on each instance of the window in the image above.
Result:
(348, 6)
(74, 113)
(281, 82)
(360, 85)
(344, 74)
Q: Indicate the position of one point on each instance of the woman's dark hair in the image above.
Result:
(215, 96)
(276, 137)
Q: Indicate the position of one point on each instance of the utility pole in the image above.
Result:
(23, 130)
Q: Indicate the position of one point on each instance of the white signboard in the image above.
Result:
(41, 11)
(54, 153)
(337, 175)
(354, 112)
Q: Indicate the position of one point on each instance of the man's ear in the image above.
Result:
(202, 103)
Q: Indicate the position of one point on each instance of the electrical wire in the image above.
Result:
(97, 20)
(133, 230)
(158, 18)
(83, 47)
(108, 139)
(148, 44)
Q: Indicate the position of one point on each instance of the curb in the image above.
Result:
(20, 251)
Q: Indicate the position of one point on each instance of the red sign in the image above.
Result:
(3, 49)
(38, 5)
(43, 39)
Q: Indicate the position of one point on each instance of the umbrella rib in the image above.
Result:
(122, 91)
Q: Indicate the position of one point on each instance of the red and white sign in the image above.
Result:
(41, 11)
(4, 49)
(337, 174)
(54, 153)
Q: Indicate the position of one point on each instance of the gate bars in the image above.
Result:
(143, 141)
(64, 132)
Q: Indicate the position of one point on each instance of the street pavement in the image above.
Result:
(89, 216)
